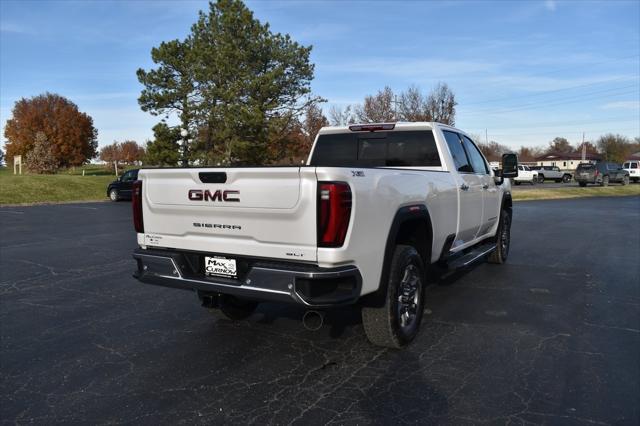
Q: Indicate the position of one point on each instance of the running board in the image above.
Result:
(468, 258)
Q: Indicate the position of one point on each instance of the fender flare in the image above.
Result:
(403, 215)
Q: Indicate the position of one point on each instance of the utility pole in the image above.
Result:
(584, 149)
(486, 138)
(395, 107)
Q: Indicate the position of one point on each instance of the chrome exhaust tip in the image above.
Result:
(313, 320)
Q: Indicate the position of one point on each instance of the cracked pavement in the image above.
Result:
(551, 337)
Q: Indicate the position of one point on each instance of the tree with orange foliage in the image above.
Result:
(127, 152)
(131, 152)
(69, 132)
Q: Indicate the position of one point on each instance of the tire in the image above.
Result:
(582, 184)
(540, 178)
(566, 178)
(625, 180)
(516, 182)
(397, 322)
(503, 240)
(113, 195)
(234, 308)
(605, 181)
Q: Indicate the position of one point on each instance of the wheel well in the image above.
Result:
(411, 225)
(416, 233)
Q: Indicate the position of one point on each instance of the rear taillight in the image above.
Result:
(334, 212)
(136, 203)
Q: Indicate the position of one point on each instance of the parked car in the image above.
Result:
(525, 174)
(602, 173)
(552, 173)
(120, 188)
(375, 206)
(633, 167)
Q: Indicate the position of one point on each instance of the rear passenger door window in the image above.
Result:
(457, 152)
(477, 161)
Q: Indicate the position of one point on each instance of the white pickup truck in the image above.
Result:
(374, 207)
(525, 174)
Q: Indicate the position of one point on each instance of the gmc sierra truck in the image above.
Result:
(375, 206)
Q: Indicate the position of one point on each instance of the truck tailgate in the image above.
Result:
(261, 212)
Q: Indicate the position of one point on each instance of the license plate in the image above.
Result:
(220, 267)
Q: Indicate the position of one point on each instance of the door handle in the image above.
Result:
(485, 186)
(464, 187)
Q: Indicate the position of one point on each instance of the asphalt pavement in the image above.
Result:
(552, 337)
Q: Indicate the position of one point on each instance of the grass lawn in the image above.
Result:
(576, 192)
(68, 185)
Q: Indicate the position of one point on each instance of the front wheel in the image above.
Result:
(397, 322)
(113, 195)
(503, 239)
(566, 178)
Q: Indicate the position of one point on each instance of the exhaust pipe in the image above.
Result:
(313, 320)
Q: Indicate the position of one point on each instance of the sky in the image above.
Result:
(523, 72)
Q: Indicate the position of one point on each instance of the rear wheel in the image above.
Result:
(503, 239)
(566, 178)
(113, 195)
(516, 182)
(397, 322)
(234, 308)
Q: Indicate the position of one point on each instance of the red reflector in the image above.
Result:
(136, 203)
(371, 127)
(334, 212)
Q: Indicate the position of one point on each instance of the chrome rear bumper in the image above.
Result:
(304, 284)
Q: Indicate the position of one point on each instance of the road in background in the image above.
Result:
(553, 336)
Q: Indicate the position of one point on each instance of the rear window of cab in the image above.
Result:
(410, 148)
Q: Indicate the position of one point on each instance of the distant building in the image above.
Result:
(566, 161)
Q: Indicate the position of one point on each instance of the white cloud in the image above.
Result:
(633, 105)
(410, 67)
(550, 5)
(10, 27)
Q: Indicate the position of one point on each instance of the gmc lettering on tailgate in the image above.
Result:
(218, 195)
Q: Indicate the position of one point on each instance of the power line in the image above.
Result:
(578, 132)
(553, 102)
(567, 123)
(553, 71)
(546, 92)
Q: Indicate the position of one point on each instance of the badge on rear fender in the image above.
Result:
(152, 240)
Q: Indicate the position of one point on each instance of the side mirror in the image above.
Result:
(509, 165)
